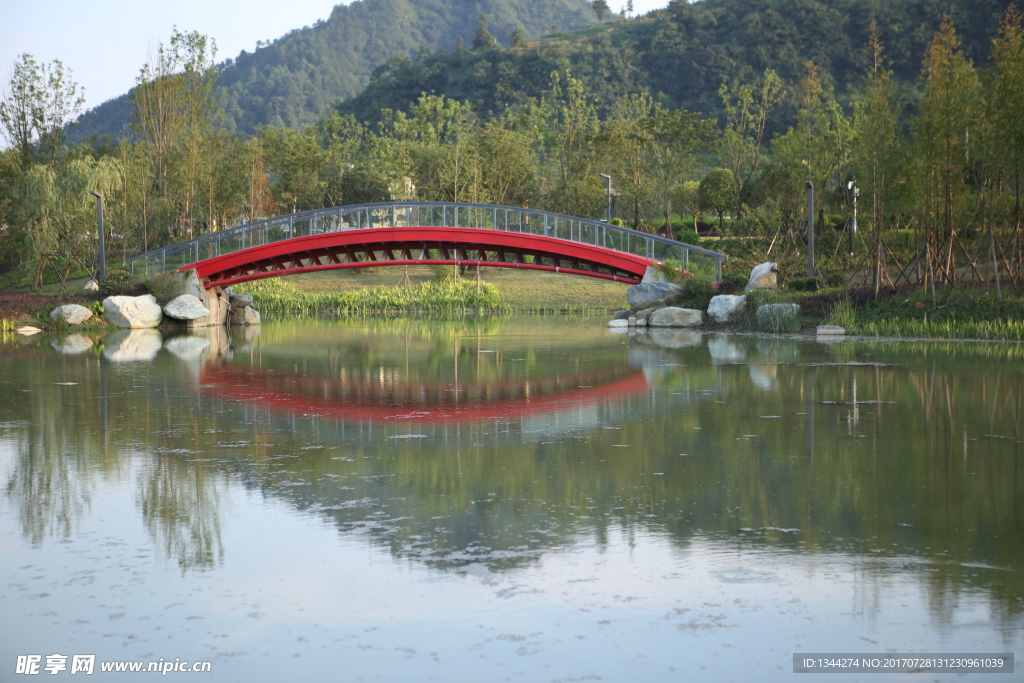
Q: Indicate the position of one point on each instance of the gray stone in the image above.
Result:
(776, 317)
(724, 307)
(654, 295)
(72, 344)
(240, 300)
(675, 317)
(652, 274)
(132, 345)
(133, 311)
(72, 314)
(622, 315)
(645, 314)
(217, 302)
(186, 307)
(830, 329)
(245, 316)
(618, 322)
(763, 276)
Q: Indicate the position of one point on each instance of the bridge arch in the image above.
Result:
(407, 233)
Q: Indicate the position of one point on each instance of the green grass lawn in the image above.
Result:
(521, 290)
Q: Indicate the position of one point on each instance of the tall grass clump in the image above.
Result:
(276, 297)
(843, 314)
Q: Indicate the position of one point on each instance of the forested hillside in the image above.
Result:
(297, 78)
(686, 52)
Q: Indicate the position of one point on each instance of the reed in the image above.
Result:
(950, 328)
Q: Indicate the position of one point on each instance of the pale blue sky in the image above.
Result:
(106, 43)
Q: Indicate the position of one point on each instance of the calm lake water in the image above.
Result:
(524, 499)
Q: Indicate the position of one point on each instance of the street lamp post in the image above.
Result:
(810, 228)
(608, 188)
(853, 227)
(103, 241)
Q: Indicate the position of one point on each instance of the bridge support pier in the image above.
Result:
(216, 299)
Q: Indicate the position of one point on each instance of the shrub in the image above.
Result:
(117, 281)
(165, 286)
(803, 284)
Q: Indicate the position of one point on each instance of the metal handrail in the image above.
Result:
(438, 214)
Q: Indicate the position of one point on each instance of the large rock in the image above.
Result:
(763, 276)
(618, 322)
(245, 316)
(216, 300)
(654, 295)
(186, 307)
(72, 314)
(724, 307)
(240, 300)
(675, 317)
(133, 311)
(132, 345)
(777, 317)
(92, 286)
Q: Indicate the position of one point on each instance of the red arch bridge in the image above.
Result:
(425, 233)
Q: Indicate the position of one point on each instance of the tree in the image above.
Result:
(942, 130)
(746, 116)
(1008, 102)
(518, 38)
(175, 108)
(600, 8)
(507, 165)
(628, 139)
(679, 138)
(483, 38)
(717, 193)
(40, 102)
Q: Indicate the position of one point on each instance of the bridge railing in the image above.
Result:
(429, 214)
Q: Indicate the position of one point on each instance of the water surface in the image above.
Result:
(530, 499)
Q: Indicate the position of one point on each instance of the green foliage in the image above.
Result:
(117, 281)
(165, 286)
(843, 314)
(800, 284)
(276, 297)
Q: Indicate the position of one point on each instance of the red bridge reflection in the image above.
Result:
(387, 399)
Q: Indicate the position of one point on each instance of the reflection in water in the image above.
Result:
(490, 450)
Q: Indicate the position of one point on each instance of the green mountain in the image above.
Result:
(684, 53)
(297, 78)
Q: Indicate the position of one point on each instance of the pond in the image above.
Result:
(531, 499)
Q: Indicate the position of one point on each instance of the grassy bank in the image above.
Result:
(522, 291)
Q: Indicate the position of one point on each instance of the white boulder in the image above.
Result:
(763, 276)
(72, 314)
(675, 317)
(133, 311)
(618, 322)
(724, 307)
(92, 286)
(186, 307)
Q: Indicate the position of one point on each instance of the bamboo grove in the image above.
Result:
(937, 164)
